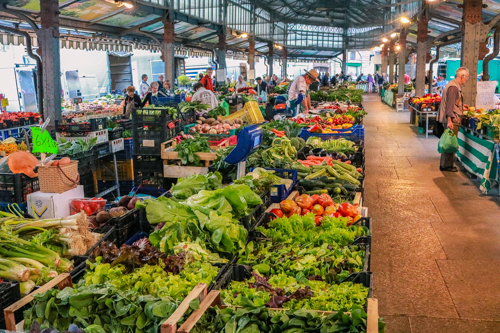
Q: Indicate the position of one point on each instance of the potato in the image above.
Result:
(231, 122)
(215, 123)
(55, 163)
(201, 119)
(210, 120)
(199, 122)
(64, 161)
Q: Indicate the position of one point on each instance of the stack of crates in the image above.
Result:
(151, 127)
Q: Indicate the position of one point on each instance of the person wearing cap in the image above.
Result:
(298, 89)
(260, 88)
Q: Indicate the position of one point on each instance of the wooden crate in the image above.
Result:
(213, 299)
(180, 171)
(64, 280)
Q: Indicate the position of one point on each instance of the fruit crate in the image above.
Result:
(188, 117)
(89, 125)
(356, 132)
(14, 188)
(102, 136)
(125, 226)
(115, 133)
(179, 98)
(128, 150)
(148, 163)
(125, 170)
(152, 116)
(357, 159)
(102, 149)
(212, 136)
(86, 160)
(281, 192)
(88, 182)
(107, 233)
(9, 294)
(153, 179)
(126, 124)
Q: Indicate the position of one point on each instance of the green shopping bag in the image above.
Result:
(225, 106)
(448, 143)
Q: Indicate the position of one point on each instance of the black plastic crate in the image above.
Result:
(125, 226)
(188, 117)
(125, 187)
(128, 151)
(107, 233)
(9, 294)
(148, 163)
(101, 149)
(148, 139)
(115, 133)
(87, 162)
(89, 125)
(14, 188)
(255, 216)
(149, 179)
(78, 271)
(152, 116)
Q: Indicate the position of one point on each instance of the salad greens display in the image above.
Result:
(188, 149)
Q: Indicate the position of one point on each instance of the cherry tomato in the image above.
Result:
(88, 210)
(78, 205)
(318, 220)
(94, 205)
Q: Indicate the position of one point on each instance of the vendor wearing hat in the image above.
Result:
(298, 89)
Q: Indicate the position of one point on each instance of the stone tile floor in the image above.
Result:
(436, 239)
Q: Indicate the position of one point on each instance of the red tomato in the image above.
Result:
(88, 210)
(318, 220)
(329, 211)
(277, 212)
(78, 205)
(359, 170)
(347, 210)
(325, 200)
(305, 211)
(304, 201)
(317, 210)
(314, 198)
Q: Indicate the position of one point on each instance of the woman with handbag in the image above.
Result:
(450, 113)
(132, 100)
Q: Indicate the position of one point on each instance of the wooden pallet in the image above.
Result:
(173, 155)
(214, 299)
(64, 280)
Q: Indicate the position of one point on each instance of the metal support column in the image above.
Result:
(471, 40)
(221, 56)
(391, 62)
(48, 38)
(422, 49)
(402, 61)
(489, 57)
(251, 57)
(168, 50)
(384, 56)
(270, 58)
(284, 63)
(344, 62)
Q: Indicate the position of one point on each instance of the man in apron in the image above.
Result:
(298, 89)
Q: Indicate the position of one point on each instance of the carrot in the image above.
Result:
(316, 158)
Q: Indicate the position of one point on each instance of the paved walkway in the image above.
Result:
(436, 240)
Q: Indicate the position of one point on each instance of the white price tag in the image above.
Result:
(148, 143)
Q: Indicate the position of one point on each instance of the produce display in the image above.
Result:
(9, 146)
(426, 101)
(16, 119)
(307, 252)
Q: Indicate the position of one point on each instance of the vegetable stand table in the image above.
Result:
(427, 114)
(479, 156)
(180, 171)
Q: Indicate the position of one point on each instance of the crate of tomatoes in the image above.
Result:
(89, 205)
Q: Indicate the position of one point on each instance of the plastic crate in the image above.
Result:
(255, 216)
(188, 117)
(107, 233)
(148, 139)
(9, 294)
(357, 159)
(180, 98)
(89, 125)
(128, 150)
(280, 192)
(125, 123)
(125, 170)
(125, 187)
(80, 266)
(14, 208)
(102, 136)
(125, 226)
(14, 188)
(151, 116)
(115, 133)
(146, 191)
(214, 136)
(148, 163)
(88, 182)
(356, 132)
(102, 149)
(86, 160)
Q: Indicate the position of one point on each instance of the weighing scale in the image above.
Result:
(77, 101)
(249, 138)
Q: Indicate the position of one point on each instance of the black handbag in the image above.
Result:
(438, 129)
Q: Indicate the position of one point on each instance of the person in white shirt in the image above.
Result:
(144, 88)
(241, 83)
(204, 96)
(297, 91)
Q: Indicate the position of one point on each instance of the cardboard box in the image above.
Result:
(52, 205)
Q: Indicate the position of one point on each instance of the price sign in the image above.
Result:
(5, 102)
(42, 142)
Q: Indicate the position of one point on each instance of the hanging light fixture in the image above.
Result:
(398, 47)
(243, 35)
(385, 40)
(393, 35)
(405, 20)
(119, 3)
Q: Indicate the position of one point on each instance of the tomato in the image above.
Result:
(88, 210)
(277, 212)
(348, 162)
(318, 220)
(317, 210)
(357, 217)
(325, 200)
(287, 206)
(78, 205)
(297, 211)
(347, 210)
(304, 201)
(359, 170)
(329, 211)
(305, 211)
(314, 198)
(94, 205)
(350, 221)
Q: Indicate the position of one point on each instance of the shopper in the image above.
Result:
(360, 76)
(297, 91)
(131, 101)
(275, 80)
(407, 78)
(261, 89)
(241, 83)
(325, 80)
(152, 97)
(335, 79)
(204, 96)
(166, 85)
(450, 112)
(160, 80)
(369, 79)
(207, 81)
(145, 88)
(228, 81)
(200, 76)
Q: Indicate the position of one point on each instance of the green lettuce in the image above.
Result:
(191, 185)
(165, 209)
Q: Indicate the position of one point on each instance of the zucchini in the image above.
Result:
(316, 174)
(316, 192)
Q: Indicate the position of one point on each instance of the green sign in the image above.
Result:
(42, 142)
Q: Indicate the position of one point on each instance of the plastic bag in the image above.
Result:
(448, 143)
(225, 105)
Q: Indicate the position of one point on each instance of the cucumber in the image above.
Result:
(316, 192)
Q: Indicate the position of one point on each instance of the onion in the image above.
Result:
(226, 126)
